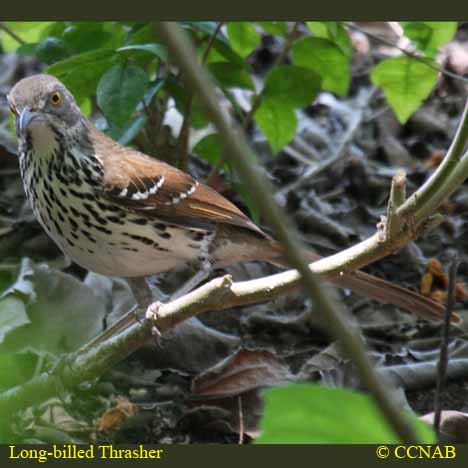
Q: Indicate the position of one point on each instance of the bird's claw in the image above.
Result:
(152, 315)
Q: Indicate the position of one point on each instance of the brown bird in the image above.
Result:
(118, 212)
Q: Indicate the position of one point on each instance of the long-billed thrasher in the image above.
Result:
(118, 212)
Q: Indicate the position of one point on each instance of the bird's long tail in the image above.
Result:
(378, 289)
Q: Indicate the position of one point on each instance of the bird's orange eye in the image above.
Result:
(55, 99)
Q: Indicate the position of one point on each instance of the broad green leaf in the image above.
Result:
(66, 314)
(277, 28)
(27, 49)
(286, 88)
(83, 37)
(86, 106)
(81, 73)
(12, 315)
(243, 36)
(429, 36)
(208, 27)
(318, 28)
(325, 58)
(221, 46)
(120, 90)
(291, 86)
(405, 82)
(81, 61)
(277, 122)
(16, 368)
(53, 29)
(312, 414)
(230, 75)
(209, 148)
(28, 31)
(334, 31)
(157, 50)
(22, 285)
(51, 50)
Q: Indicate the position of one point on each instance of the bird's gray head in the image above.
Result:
(43, 108)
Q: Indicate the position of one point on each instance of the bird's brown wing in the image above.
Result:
(143, 184)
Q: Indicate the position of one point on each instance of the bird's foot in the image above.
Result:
(152, 314)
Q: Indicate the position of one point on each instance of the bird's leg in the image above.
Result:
(204, 265)
(142, 294)
(192, 283)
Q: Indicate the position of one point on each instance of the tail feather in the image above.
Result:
(380, 290)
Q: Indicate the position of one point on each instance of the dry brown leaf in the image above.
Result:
(453, 426)
(243, 371)
(226, 414)
(434, 283)
(434, 159)
(114, 417)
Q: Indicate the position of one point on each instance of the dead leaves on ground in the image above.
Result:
(114, 417)
(453, 426)
(226, 397)
(435, 282)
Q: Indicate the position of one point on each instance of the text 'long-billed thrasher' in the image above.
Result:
(118, 212)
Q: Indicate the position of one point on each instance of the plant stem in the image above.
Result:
(182, 145)
(12, 34)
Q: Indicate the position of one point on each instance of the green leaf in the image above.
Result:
(120, 90)
(28, 31)
(22, 284)
(277, 122)
(277, 28)
(209, 148)
(83, 37)
(429, 36)
(286, 88)
(157, 50)
(52, 49)
(405, 82)
(334, 31)
(291, 86)
(230, 75)
(243, 36)
(66, 314)
(81, 73)
(208, 27)
(312, 414)
(325, 58)
(12, 315)
(318, 28)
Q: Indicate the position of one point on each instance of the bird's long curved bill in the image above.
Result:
(25, 118)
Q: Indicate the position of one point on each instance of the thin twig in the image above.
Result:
(182, 145)
(238, 150)
(408, 53)
(397, 198)
(444, 357)
(12, 34)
